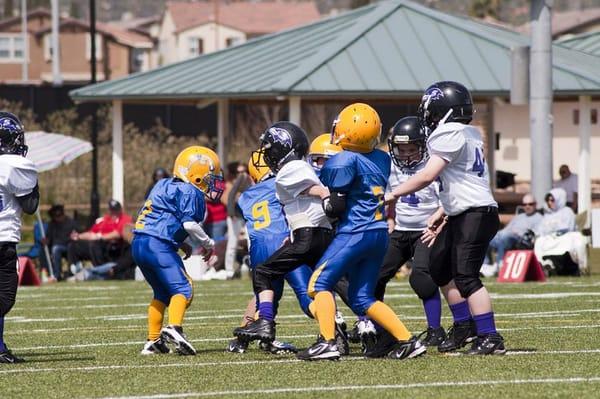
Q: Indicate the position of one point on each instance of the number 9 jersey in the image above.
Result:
(363, 177)
(265, 221)
(465, 181)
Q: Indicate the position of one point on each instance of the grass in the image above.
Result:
(83, 341)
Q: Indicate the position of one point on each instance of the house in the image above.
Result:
(190, 29)
(119, 52)
(571, 22)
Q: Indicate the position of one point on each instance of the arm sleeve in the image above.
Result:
(198, 234)
(298, 179)
(446, 145)
(29, 202)
(22, 179)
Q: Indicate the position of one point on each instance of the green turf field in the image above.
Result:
(83, 341)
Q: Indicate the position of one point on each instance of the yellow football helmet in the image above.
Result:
(357, 128)
(200, 167)
(322, 148)
(257, 168)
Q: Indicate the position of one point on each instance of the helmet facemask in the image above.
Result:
(406, 153)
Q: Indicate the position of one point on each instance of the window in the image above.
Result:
(88, 47)
(195, 46)
(48, 47)
(233, 41)
(11, 47)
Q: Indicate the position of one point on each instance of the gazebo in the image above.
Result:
(391, 50)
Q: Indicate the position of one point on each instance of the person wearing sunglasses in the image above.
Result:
(509, 236)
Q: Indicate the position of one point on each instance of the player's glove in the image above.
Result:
(335, 204)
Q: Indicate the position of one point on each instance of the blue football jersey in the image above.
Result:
(363, 178)
(265, 220)
(170, 204)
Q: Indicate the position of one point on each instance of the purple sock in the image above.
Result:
(485, 323)
(2, 346)
(460, 311)
(265, 310)
(433, 310)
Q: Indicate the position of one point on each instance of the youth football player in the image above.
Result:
(356, 178)
(456, 156)
(284, 146)
(18, 193)
(173, 211)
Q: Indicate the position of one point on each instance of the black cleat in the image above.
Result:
(236, 345)
(341, 336)
(368, 335)
(174, 335)
(407, 349)
(7, 357)
(489, 344)
(353, 335)
(320, 350)
(278, 347)
(260, 329)
(460, 334)
(156, 347)
(384, 344)
(433, 336)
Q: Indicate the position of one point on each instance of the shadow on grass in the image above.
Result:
(52, 357)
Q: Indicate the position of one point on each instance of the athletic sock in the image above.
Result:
(382, 314)
(265, 311)
(177, 309)
(2, 345)
(325, 309)
(485, 323)
(460, 311)
(433, 310)
(156, 313)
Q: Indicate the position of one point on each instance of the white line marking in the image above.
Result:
(418, 385)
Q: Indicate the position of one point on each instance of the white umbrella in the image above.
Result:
(49, 151)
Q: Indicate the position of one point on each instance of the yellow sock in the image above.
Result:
(156, 312)
(177, 309)
(325, 310)
(383, 315)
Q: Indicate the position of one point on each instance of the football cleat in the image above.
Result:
(407, 349)
(489, 344)
(384, 344)
(320, 350)
(433, 336)
(236, 345)
(7, 357)
(260, 329)
(174, 335)
(460, 334)
(341, 335)
(368, 335)
(158, 346)
(353, 335)
(278, 347)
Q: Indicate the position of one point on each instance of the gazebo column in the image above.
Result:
(222, 129)
(584, 188)
(118, 191)
(295, 110)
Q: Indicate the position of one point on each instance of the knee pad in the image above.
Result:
(467, 285)
(6, 305)
(262, 279)
(422, 284)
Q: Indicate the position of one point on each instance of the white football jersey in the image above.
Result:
(464, 182)
(300, 210)
(18, 177)
(412, 211)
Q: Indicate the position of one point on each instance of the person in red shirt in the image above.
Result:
(104, 237)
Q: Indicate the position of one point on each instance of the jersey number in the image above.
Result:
(412, 200)
(378, 192)
(479, 164)
(260, 212)
(139, 223)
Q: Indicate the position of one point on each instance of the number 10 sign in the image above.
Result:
(519, 266)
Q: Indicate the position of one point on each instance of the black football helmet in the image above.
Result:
(447, 101)
(408, 130)
(281, 143)
(12, 135)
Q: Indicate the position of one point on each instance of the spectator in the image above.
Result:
(60, 229)
(215, 223)
(234, 218)
(121, 269)
(559, 248)
(509, 236)
(36, 252)
(159, 173)
(568, 182)
(105, 236)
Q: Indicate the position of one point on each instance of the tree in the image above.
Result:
(485, 8)
(8, 8)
